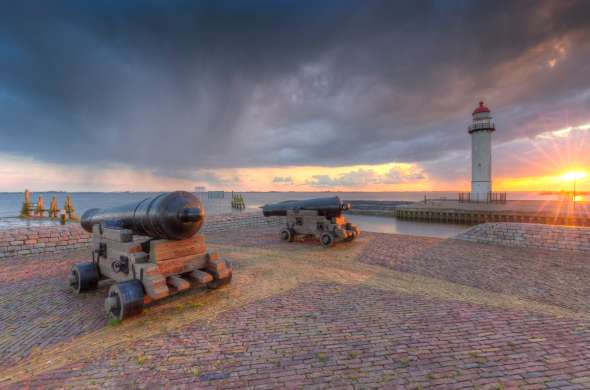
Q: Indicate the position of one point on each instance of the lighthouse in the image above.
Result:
(481, 153)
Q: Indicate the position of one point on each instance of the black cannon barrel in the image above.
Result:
(329, 207)
(174, 216)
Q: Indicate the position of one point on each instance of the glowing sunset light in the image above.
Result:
(564, 132)
(575, 175)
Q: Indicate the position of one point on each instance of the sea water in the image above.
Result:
(11, 202)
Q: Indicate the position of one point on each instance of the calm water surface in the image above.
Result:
(10, 204)
(398, 226)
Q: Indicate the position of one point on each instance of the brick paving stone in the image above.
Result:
(324, 334)
(378, 320)
(37, 308)
(557, 278)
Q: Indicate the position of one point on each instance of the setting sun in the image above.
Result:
(574, 175)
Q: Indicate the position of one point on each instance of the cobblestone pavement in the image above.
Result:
(557, 278)
(413, 313)
(37, 308)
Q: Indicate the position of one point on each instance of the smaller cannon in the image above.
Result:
(320, 217)
(151, 249)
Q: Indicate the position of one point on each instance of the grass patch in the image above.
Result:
(146, 322)
(404, 362)
(477, 358)
(114, 322)
(140, 359)
(188, 305)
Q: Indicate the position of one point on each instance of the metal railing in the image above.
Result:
(491, 197)
(487, 125)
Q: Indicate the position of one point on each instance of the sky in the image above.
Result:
(291, 95)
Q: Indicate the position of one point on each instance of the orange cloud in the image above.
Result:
(526, 164)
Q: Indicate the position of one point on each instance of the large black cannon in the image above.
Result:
(326, 207)
(174, 216)
(320, 217)
(151, 249)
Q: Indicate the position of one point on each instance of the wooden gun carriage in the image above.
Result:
(321, 218)
(151, 250)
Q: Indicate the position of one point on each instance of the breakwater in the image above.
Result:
(540, 212)
(530, 235)
(56, 238)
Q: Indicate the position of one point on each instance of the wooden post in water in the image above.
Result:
(26, 209)
(237, 201)
(69, 208)
(53, 208)
(39, 209)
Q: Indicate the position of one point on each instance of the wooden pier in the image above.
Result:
(544, 212)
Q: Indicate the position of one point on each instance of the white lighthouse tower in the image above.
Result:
(481, 154)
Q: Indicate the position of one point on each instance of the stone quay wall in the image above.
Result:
(384, 208)
(530, 235)
(223, 222)
(34, 240)
(43, 239)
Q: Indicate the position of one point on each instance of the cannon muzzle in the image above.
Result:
(328, 207)
(174, 216)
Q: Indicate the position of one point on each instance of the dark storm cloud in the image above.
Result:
(173, 85)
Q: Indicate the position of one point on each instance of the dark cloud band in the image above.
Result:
(175, 86)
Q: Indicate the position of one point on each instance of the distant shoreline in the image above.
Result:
(537, 192)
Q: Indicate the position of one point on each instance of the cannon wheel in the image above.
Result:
(287, 235)
(124, 300)
(83, 277)
(327, 239)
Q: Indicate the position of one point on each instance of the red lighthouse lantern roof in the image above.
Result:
(481, 108)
